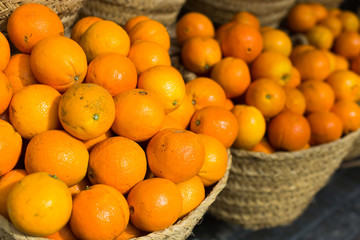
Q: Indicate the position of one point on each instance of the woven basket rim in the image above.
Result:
(188, 222)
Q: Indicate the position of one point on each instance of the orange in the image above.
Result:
(150, 30)
(300, 48)
(252, 126)
(166, 82)
(295, 100)
(30, 23)
(86, 110)
(349, 114)
(192, 192)
(133, 21)
(301, 18)
(204, 92)
(184, 112)
(59, 69)
(332, 59)
(89, 144)
(349, 20)
(199, 54)
(155, 204)
(34, 109)
(10, 150)
(277, 40)
(217, 122)
(170, 122)
(233, 75)
(266, 95)
(64, 233)
(193, 24)
(288, 131)
(58, 153)
(272, 65)
(130, 232)
(312, 64)
(321, 37)
(5, 52)
(175, 154)
(320, 11)
(146, 54)
(19, 72)
(216, 159)
(345, 84)
(341, 63)
(347, 44)
(118, 162)
(103, 37)
(325, 126)
(139, 114)
(318, 95)
(221, 30)
(113, 71)
(7, 183)
(334, 12)
(242, 41)
(42, 199)
(334, 24)
(248, 18)
(5, 92)
(263, 146)
(295, 78)
(229, 104)
(81, 26)
(100, 212)
(80, 186)
(355, 64)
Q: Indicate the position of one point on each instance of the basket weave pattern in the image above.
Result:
(269, 190)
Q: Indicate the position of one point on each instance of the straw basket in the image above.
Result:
(67, 10)
(327, 3)
(269, 190)
(179, 231)
(269, 12)
(119, 11)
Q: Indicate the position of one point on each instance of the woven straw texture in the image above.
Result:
(67, 10)
(327, 3)
(355, 152)
(120, 11)
(269, 190)
(179, 231)
(269, 12)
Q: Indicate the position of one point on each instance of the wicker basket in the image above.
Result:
(269, 12)
(67, 10)
(119, 11)
(269, 190)
(327, 3)
(179, 231)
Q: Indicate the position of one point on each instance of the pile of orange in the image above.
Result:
(95, 140)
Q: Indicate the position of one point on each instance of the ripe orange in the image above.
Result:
(81, 26)
(233, 75)
(221, 30)
(295, 78)
(103, 37)
(217, 122)
(184, 112)
(11, 144)
(118, 162)
(5, 92)
(288, 131)
(166, 82)
(58, 69)
(139, 114)
(58, 153)
(349, 20)
(242, 41)
(204, 92)
(267, 96)
(216, 159)
(295, 100)
(247, 18)
(277, 40)
(301, 18)
(192, 192)
(5, 52)
(349, 114)
(341, 63)
(321, 37)
(41, 198)
(7, 183)
(89, 144)
(229, 104)
(332, 59)
(64, 233)
(325, 126)
(263, 146)
(133, 21)
(252, 126)
(19, 73)
(34, 109)
(320, 11)
(347, 44)
(318, 95)
(86, 110)
(100, 212)
(113, 71)
(199, 54)
(300, 48)
(175, 154)
(345, 84)
(334, 24)
(193, 24)
(170, 122)
(130, 232)
(30, 23)
(80, 186)
(155, 204)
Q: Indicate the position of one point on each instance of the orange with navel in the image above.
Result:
(345, 84)
(81, 26)
(349, 114)
(5, 52)
(277, 40)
